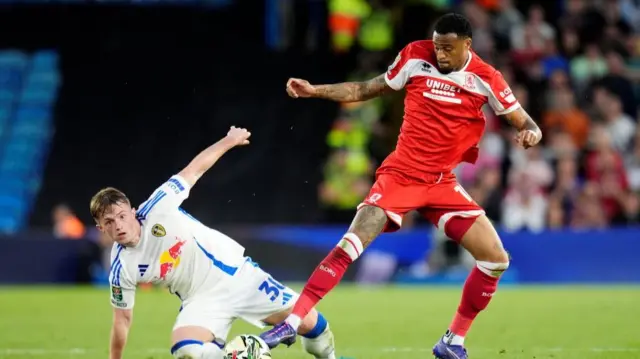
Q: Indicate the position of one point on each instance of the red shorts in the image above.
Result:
(438, 200)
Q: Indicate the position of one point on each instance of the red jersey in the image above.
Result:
(443, 119)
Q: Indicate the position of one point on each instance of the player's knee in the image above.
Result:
(196, 349)
(456, 227)
(494, 269)
(319, 340)
(368, 224)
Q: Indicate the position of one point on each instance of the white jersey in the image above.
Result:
(175, 250)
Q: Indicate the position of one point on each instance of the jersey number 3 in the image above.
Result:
(271, 288)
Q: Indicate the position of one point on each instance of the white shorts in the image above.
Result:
(252, 295)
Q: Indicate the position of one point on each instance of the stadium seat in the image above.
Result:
(28, 91)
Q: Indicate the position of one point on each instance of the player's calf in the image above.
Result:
(482, 241)
(196, 349)
(366, 226)
(317, 339)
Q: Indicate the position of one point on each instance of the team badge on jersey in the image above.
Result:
(469, 82)
(158, 230)
(116, 293)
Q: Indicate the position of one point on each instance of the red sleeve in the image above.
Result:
(500, 97)
(622, 172)
(400, 70)
(590, 167)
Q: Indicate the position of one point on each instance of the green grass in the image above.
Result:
(386, 322)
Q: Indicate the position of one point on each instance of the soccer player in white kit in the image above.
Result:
(207, 270)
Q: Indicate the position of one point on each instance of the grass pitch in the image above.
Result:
(369, 323)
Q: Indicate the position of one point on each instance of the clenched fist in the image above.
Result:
(300, 88)
(528, 138)
(239, 136)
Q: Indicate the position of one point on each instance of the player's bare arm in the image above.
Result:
(207, 158)
(341, 92)
(529, 133)
(119, 331)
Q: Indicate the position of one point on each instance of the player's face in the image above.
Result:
(119, 223)
(451, 51)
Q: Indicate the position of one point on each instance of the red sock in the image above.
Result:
(326, 276)
(476, 295)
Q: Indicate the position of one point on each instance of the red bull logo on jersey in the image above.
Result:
(170, 259)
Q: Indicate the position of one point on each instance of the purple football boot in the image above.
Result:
(444, 350)
(281, 333)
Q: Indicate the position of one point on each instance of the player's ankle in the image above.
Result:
(294, 321)
(452, 338)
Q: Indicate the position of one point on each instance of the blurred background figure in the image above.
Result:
(66, 224)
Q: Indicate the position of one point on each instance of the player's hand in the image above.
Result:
(528, 138)
(239, 136)
(300, 88)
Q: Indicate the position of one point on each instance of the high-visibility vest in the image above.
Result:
(344, 21)
(376, 31)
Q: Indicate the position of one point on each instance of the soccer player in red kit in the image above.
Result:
(446, 85)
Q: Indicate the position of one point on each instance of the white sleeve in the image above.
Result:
(500, 97)
(399, 73)
(123, 289)
(167, 197)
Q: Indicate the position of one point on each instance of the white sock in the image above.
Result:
(199, 351)
(452, 339)
(211, 351)
(294, 321)
(321, 347)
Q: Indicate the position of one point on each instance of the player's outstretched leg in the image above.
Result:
(481, 240)
(195, 343)
(366, 226)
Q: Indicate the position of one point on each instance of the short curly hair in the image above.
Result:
(453, 23)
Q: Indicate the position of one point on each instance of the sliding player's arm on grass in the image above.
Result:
(173, 192)
(119, 331)
(123, 290)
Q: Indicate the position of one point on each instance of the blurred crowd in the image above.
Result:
(576, 72)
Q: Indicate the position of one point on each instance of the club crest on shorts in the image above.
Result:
(116, 293)
(158, 230)
(375, 197)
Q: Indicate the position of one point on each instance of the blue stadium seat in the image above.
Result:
(7, 96)
(38, 96)
(45, 59)
(13, 58)
(45, 79)
(28, 91)
(8, 224)
(12, 185)
(11, 78)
